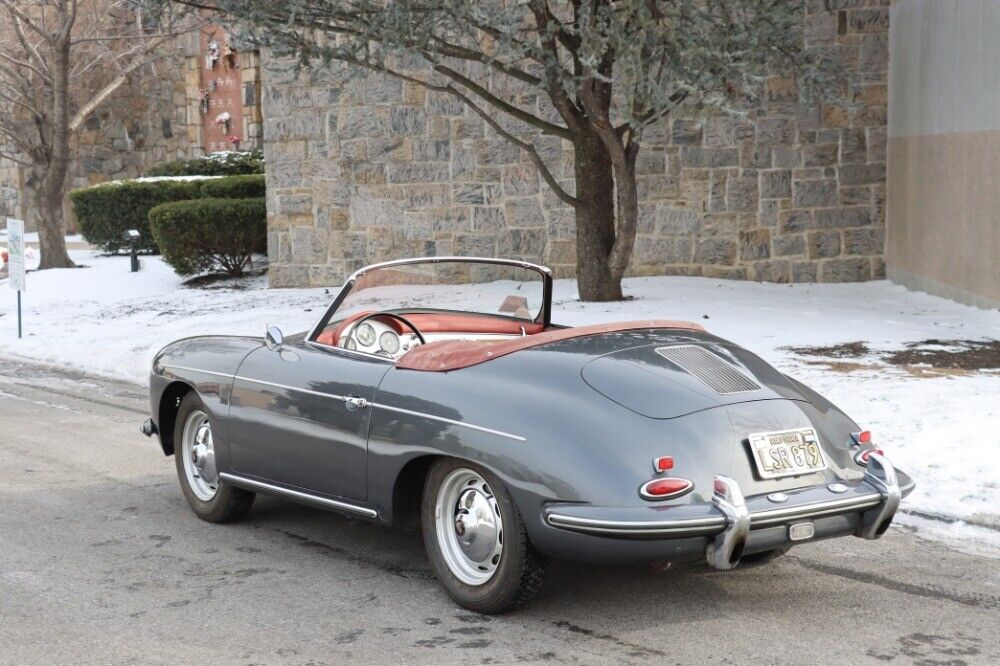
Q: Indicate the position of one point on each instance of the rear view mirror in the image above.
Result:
(273, 338)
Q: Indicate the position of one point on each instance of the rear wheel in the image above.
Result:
(475, 539)
(211, 498)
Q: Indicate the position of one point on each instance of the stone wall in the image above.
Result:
(363, 169)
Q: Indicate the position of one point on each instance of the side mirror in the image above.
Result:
(273, 338)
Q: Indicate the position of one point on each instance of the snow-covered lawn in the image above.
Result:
(943, 428)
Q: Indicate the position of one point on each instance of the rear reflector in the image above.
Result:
(863, 437)
(663, 463)
(660, 489)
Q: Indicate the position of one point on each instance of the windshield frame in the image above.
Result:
(544, 316)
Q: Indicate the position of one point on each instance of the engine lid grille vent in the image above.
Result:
(721, 377)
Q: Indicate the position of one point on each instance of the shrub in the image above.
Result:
(233, 187)
(213, 164)
(199, 235)
(105, 212)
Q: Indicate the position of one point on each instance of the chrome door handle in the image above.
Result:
(354, 402)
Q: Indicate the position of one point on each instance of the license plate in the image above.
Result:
(786, 453)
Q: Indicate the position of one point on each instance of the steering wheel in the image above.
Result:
(406, 322)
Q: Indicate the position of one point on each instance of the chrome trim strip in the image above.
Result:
(320, 394)
(690, 527)
(471, 426)
(437, 260)
(306, 497)
(189, 369)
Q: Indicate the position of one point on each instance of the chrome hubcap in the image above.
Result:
(469, 527)
(198, 452)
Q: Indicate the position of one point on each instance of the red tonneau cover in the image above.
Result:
(454, 354)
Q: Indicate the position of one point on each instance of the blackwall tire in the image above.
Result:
(486, 563)
(211, 499)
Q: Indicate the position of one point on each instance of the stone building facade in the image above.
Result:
(155, 117)
(368, 168)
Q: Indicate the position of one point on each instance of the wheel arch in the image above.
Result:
(408, 488)
(170, 403)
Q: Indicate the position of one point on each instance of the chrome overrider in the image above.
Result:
(728, 522)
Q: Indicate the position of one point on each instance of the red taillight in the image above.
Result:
(659, 489)
(862, 456)
(663, 463)
(864, 437)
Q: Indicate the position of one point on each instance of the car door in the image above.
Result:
(299, 417)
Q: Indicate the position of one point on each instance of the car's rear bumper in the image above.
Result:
(730, 525)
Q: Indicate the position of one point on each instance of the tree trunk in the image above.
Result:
(52, 188)
(51, 231)
(595, 221)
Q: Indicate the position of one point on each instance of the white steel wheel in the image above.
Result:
(198, 453)
(469, 527)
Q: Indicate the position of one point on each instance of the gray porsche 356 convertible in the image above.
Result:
(439, 389)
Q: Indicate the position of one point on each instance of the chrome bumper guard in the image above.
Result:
(882, 476)
(729, 524)
(726, 549)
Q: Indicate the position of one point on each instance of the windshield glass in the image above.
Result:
(498, 290)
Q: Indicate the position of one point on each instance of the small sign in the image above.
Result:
(15, 251)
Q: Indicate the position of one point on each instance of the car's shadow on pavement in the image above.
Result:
(636, 591)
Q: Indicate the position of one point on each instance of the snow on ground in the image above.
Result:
(943, 428)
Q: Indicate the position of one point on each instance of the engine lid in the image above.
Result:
(665, 381)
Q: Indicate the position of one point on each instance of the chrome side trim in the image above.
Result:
(332, 396)
(442, 419)
(260, 486)
(206, 372)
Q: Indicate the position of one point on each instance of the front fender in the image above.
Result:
(206, 365)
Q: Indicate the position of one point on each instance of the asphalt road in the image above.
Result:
(102, 562)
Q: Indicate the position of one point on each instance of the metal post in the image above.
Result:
(18, 314)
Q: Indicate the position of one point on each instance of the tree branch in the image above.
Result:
(16, 160)
(29, 48)
(526, 146)
(520, 114)
(16, 11)
(26, 65)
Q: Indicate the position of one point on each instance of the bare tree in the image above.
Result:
(60, 60)
(605, 69)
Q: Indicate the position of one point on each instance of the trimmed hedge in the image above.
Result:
(214, 164)
(232, 187)
(105, 212)
(202, 234)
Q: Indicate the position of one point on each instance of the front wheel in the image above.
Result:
(211, 498)
(475, 539)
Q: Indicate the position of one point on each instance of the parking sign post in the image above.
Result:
(15, 266)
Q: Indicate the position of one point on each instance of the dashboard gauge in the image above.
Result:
(351, 344)
(389, 342)
(365, 334)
